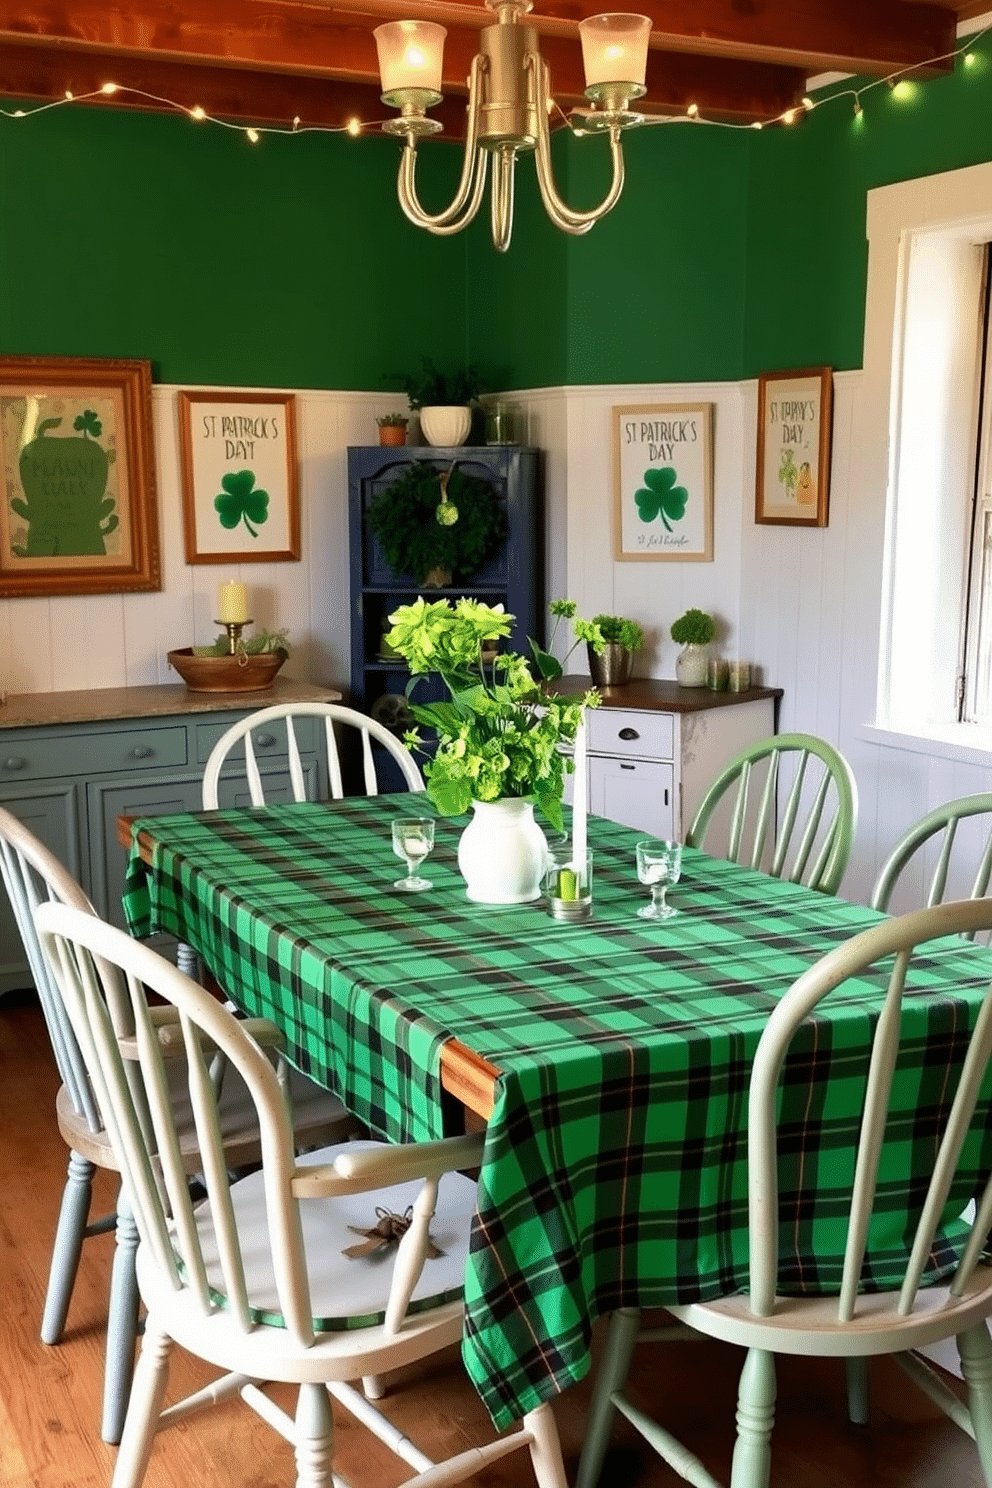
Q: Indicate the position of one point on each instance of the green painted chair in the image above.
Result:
(942, 824)
(807, 836)
(850, 1325)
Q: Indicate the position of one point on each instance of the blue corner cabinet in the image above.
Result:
(513, 578)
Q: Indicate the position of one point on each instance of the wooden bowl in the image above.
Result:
(227, 673)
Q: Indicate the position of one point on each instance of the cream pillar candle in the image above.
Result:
(232, 603)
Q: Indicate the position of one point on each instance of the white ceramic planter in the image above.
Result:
(690, 665)
(444, 425)
(502, 853)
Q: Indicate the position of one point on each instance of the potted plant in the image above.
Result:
(392, 428)
(444, 400)
(498, 738)
(693, 631)
(612, 666)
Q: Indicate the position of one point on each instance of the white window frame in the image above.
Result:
(923, 349)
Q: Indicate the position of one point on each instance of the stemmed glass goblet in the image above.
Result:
(413, 839)
(659, 863)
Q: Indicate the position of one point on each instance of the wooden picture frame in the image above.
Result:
(792, 481)
(663, 482)
(241, 499)
(79, 513)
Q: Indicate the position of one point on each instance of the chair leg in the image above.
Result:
(857, 1391)
(975, 1348)
(314, 1437)
(122, 1326)
(67, 1246)
(144, 1407)
(755, 1418)
(624, 1327)
(545, 1449)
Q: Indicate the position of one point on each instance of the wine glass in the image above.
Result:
(659, 863)
(413, 839)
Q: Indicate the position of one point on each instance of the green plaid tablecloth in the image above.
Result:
(614, 1171)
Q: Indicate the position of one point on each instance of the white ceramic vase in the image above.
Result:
(690, 665)
(502, 852)
(445, 425)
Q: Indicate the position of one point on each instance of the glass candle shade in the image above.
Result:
(615, 53)
(411, 54)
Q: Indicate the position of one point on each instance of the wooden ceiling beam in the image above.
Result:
(305, 35)
(230, 93)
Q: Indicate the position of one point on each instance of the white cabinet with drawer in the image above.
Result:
(654, 748)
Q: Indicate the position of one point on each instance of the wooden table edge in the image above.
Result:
(465, 1075)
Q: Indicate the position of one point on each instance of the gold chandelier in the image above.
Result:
(509, 102)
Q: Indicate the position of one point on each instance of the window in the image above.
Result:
(936, 351)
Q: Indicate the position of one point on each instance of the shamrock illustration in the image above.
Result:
(239, 502)
(661, 497)
(88, 423)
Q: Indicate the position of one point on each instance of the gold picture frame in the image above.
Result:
(241, 501)
(792, 480)
(79, 512)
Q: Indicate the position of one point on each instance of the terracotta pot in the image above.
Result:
(392, 433)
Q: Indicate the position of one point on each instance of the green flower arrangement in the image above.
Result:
(498, 734)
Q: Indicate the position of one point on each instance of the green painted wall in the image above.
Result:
(287, 263)
(290, 264)
(807, 255)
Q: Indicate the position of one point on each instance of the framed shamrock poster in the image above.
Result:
(240, 489)
(663, 482)
(793, 474)
(78, 514)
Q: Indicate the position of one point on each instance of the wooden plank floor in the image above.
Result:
(50, 1397)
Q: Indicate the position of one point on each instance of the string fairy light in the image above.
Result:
(902, 84)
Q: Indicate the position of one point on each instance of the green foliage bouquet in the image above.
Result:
(498, 734)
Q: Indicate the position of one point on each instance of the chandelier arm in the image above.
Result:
(562, 215)
(444, 224)
(473, 178)
(504, 163)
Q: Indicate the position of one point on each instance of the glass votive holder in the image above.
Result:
(717, 674)
(739, 677)
(568, 884)
(498, 424)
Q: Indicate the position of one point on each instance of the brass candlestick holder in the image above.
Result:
(234, 629)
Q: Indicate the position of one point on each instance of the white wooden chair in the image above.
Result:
(807, 838)
(32, 875)
(254, 1278)
(962, 862)
(850, 1325)
(263, 725)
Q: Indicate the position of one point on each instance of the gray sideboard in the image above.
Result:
(72, 762)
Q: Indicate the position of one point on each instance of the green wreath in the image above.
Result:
(404, 518)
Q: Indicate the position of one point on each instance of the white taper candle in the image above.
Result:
(580, 797)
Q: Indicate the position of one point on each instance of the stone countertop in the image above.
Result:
(662, 696)
(92, 705)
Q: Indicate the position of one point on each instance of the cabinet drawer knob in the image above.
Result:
(629, 733)
(265, 741)
(627, 767)
(14, 763)
(141, 751)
